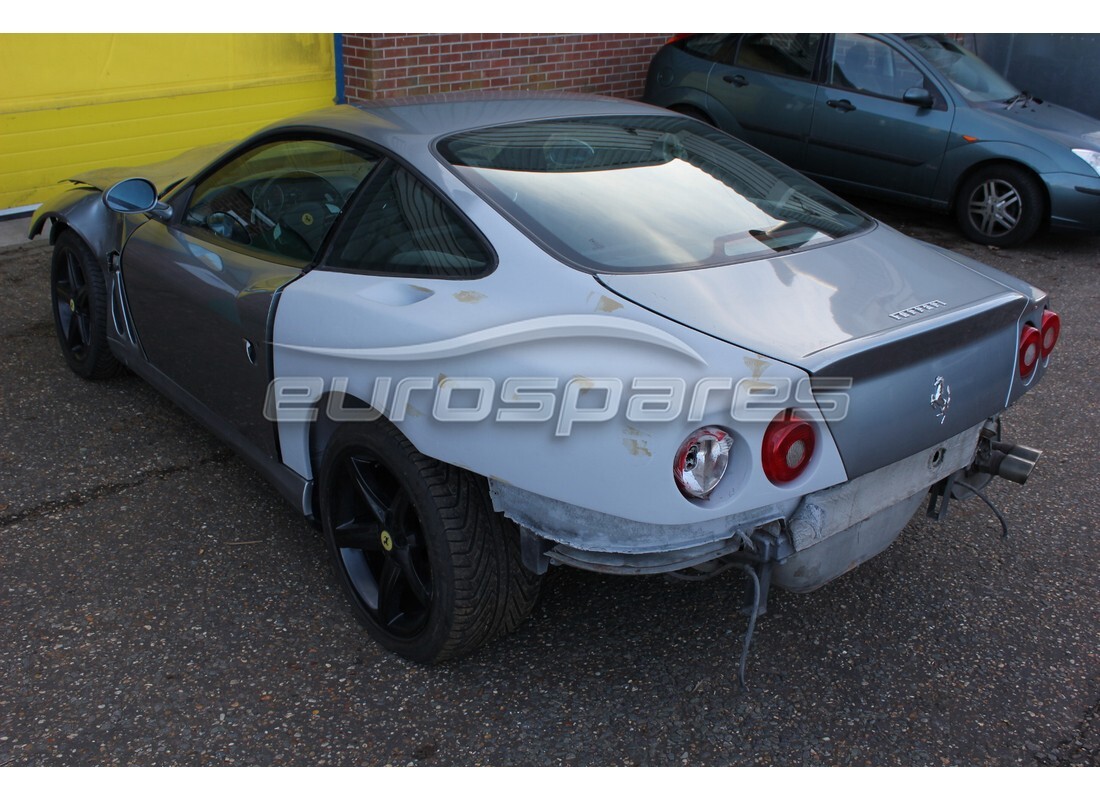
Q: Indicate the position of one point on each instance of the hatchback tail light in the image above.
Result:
(1031, 346)
(1052, 328)
(788, 447)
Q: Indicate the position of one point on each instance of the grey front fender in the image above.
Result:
(81, 209)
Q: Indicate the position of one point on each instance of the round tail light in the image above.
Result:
(701, 462)
(1052, 328)
(788, 447)
(1031, 345)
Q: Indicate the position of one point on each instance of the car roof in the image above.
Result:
(389, 122)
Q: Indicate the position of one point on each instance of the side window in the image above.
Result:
(711, 46)
(280, 198)
(790, 54)
(400, 226)
(866, 65)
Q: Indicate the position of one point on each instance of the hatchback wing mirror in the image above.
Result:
(918, 96)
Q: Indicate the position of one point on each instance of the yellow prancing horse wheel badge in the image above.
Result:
(387, 541)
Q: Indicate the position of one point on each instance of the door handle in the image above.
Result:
(736, 80)
(841, 105)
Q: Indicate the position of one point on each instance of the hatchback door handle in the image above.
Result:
(842, 105)
(736, 80)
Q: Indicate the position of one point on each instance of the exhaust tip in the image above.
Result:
(1012, 462)
(1015, 469)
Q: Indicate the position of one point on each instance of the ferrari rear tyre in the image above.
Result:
(430, 569)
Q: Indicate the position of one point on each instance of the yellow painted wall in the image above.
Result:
(74, 102)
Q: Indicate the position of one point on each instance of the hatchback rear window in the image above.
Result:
(636, 194)
(711, 46)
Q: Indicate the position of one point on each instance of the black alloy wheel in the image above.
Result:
(430, 569)
(379, 540)
(79, 296)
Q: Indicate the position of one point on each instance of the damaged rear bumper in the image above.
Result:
(839, 528)
(807, 543)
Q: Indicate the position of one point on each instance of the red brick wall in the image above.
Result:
(380, 65)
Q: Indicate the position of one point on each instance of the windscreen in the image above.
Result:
(977, 81)
(645, 193)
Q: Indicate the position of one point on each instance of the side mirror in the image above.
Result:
(136, 196)
(918, 96)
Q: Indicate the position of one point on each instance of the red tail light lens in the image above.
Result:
(1031, 344)
(1052, 328)
(679, 37)
(788, 447)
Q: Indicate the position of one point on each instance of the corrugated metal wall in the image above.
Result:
(1059, 67)
(73, 102)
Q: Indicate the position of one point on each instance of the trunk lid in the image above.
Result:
(929, 343)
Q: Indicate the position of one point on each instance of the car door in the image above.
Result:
(768, 87)
(879, 122)
(201, 289)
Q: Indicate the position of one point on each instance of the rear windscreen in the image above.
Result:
(633, 194)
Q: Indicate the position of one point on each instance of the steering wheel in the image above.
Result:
(301, 205)
(290, 187)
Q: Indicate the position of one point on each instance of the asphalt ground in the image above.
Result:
(161, 605)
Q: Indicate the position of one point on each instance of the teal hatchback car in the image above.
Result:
(911, 118)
